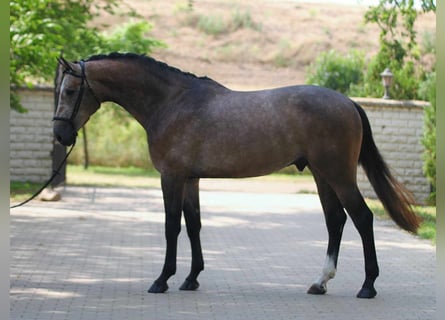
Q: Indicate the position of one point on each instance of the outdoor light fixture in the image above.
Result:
(387, 81)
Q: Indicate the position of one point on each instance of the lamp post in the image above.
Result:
(387, 81)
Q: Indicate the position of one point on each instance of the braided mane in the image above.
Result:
(142, 58)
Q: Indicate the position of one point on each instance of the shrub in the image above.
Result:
(405, 80)
(115, 139)
(243, 19)
(335, 71)
(216, 25)
(212, 25)
(131, 37)
(427, 91)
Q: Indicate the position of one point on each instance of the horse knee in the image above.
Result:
(171, 233)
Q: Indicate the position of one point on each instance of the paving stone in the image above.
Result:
(94, 253)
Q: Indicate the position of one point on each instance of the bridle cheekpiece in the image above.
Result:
(84, 80)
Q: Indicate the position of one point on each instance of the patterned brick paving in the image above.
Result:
(94, 254)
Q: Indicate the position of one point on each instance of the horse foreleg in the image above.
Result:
(335, 218)
(193, 223)
(173, 193)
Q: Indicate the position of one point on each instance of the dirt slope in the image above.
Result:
(254, 44)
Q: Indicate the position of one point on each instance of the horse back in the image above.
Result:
(227, 133)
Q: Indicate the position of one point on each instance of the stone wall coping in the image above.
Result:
(376, 102)
(38, 87)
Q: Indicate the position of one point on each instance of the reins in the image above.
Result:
(70, 120)
(54, 174)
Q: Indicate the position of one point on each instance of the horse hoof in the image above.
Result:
(158, 287)
(189, 285)
(317, 289)
(367, 293)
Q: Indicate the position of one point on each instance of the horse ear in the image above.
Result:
(64, 63)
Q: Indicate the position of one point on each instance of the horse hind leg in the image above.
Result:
(335, 218)
(362, 218)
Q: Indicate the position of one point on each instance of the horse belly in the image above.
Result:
(246, 152)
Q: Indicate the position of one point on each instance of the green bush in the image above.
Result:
(336, 71)
(427, 91)
(115, 139)
(131, 37)
(405, 76)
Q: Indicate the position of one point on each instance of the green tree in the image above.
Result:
(398, 49)
(400, 52)
(40, 30)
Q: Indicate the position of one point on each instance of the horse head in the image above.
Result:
(75, 100)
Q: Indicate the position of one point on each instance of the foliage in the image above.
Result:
(114, 139)
(335, 71)
(400, 52)
(131, 38)
(243, 20)
(215, 24)
(20, 191)
(40, 30)
(212, 25)
(427, 91)
(404, 84)
(398, 49)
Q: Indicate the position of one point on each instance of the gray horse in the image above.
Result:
(198, 128)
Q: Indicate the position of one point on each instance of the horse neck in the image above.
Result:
(140, 89)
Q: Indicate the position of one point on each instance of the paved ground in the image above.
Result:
(94, 254)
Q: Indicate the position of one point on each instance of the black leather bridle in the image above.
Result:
(70, 120)
(84, 80)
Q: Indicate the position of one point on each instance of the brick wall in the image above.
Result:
(31, 137)
(398, 129)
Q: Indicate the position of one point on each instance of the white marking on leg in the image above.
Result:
(328, 272)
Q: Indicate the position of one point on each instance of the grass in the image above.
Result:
(112, 176)
(139, 177)
(20, 191)
(216, 24)
(212, 25)
(427, 229)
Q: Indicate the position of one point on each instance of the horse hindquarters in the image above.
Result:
(333, 161)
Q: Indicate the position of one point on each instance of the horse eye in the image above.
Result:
(69, 92)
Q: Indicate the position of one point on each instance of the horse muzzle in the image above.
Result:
(64, 133)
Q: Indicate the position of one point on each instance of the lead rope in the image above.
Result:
(54, 174)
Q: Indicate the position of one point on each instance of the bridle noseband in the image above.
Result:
(70, 120)
(84, 79)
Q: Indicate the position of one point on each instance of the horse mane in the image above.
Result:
(143, 58)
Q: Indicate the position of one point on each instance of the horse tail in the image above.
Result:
(396, 199)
